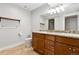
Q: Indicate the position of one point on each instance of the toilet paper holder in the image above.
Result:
(19, 34)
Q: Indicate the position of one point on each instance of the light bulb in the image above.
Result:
(62, 8)
(58, 9)
(54, 11)
(49, 11)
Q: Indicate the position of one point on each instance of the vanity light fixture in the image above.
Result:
(55, 10)
(52, 11)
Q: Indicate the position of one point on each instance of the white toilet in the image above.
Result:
(28, 42)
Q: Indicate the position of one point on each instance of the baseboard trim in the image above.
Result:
(12, 46)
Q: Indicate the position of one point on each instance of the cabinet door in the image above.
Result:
(41, 46)
(41, 43)
(46, 44)
(34, 40)
(49, 47)
(62, 49)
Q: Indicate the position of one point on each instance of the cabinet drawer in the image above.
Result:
(38, 35)
(50, 37)
(62, 49)
(70, 41)
(35, 35)
(75, 50)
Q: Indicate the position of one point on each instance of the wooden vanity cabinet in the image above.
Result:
(55, 45)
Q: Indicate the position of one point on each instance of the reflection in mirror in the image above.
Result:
(71, 23)
(66, 21)
(51, 24)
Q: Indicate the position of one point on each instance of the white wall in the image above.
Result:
(9, 36)
(36, 18)
(59, 23)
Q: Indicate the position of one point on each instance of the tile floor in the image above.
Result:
(19, 50)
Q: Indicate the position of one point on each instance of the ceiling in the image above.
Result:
(29, 6)
(32, 6)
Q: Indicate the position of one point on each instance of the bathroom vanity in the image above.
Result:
(55, 43)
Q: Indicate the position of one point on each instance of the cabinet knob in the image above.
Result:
(73, 50)
(69, 48)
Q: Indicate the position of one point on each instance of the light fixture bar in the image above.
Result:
(55, 10)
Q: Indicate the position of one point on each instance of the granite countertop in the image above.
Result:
(72, 35)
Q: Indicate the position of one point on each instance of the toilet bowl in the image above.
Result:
(28, 42)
